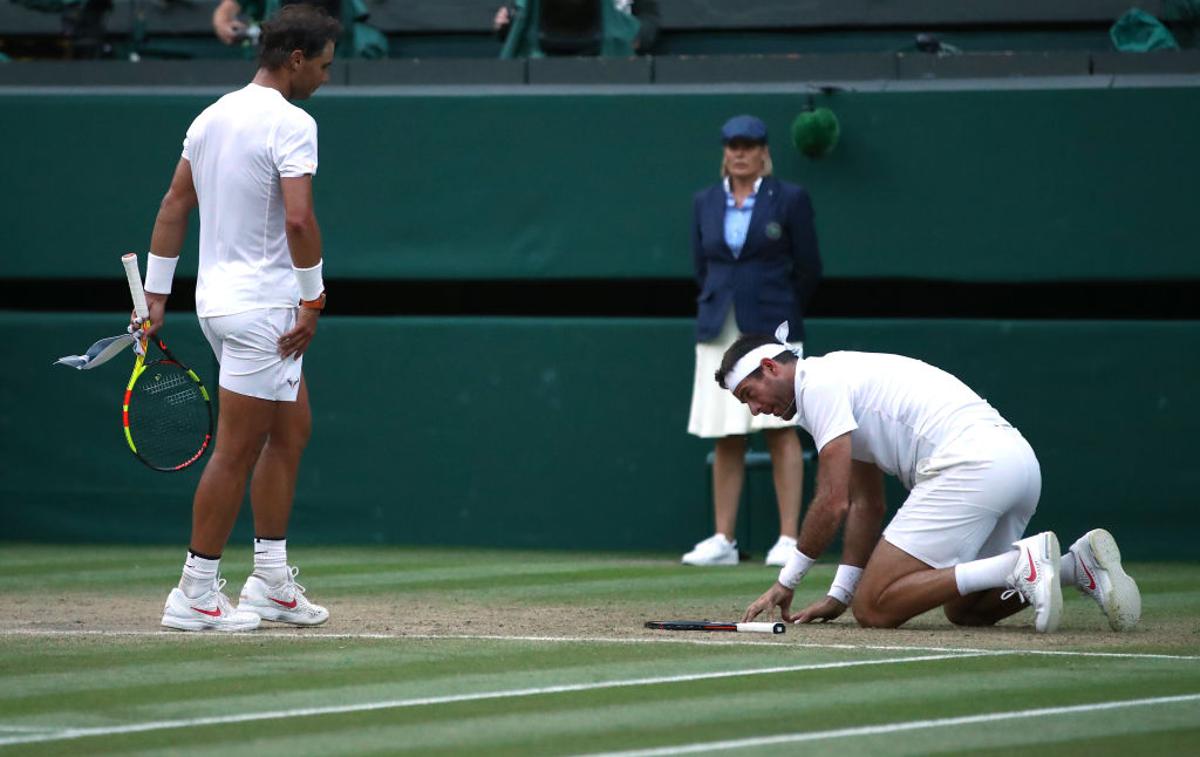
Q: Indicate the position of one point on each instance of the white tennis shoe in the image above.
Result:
(715, 550)
(781, 552)
(1099, 575)
(1035, 579)
(284, 603)
(211, 611)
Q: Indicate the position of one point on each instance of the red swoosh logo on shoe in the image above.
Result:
(1032, 567)
(1091, 578)
(213, 613)
(289, 605)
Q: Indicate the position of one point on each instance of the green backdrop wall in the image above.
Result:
(570, 432)
(1019, 184)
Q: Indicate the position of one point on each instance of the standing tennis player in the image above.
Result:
(248, 162)
(958, 540)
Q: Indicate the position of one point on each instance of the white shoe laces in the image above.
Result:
(296, 590)
(1011, 591)
(223, 602)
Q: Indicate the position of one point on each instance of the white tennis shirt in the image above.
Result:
(239, 148)
(898, 411)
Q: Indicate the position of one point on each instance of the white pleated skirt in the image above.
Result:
(715, 411)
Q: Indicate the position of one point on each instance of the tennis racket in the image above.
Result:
(711, 625)
(166, 413)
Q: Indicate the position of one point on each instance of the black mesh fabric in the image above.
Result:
(169, 419)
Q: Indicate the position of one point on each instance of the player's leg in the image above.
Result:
(273, 486)
(993, 565)
(787, 468)
(897, 587)
(243, 424)
(271, 590)
(976, 502)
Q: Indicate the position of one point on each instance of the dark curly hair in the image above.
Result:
(306, 28)
(742, 346)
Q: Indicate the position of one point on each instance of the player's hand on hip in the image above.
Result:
(295, 342)
(827, 608)
(777, 596)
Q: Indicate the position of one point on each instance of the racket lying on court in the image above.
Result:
(167, 413)
(712, 625)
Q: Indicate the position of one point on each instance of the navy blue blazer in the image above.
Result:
(777, 272)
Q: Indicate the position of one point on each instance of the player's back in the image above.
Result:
(238, 149)
(905, 408)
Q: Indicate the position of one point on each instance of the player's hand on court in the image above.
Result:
(295, 342)
(776, 596)
(825, 609)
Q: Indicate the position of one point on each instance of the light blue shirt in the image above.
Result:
(737, 220)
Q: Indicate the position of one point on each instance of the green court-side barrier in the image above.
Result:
(570, 432)
(1018, 185)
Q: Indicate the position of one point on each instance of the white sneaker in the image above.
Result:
(781, 552)
(209, 611)
(1035, 579)
(284, 603)
(715, 550)
(1099, 575)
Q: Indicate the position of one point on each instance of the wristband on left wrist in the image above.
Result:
(845, 582)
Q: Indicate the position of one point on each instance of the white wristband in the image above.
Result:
(797, 566)
(845, 582)
(159, 273)
(310, 281)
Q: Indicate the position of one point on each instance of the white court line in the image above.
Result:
(77, 733)
(779, 642)
(911, 725)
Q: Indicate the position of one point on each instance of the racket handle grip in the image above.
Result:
(775, 627)
(134, 276)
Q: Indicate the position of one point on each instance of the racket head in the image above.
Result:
(167, 414)
(690, 625)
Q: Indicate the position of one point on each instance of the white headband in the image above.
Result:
(750, 362)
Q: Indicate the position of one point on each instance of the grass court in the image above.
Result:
(440, 651)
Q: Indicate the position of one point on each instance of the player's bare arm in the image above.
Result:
(170, 230)
(225, 21)
(825, 516)
(304, 242)
(864, 523)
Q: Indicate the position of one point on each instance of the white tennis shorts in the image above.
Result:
(247, 346)
(969, 501)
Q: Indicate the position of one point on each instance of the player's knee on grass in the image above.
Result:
(869, 615)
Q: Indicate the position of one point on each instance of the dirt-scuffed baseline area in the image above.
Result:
(1083, 628)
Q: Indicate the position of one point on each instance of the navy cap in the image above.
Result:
(744, 127)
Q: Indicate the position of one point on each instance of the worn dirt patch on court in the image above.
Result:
(1083, 626)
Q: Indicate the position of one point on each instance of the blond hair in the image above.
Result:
(768, 166)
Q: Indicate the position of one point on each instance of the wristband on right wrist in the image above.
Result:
(160, 271)
(796, 567)
(845, 582)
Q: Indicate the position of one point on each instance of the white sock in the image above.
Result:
(1067, 571)
(199, 575)
(988, 573)
(270, 560)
